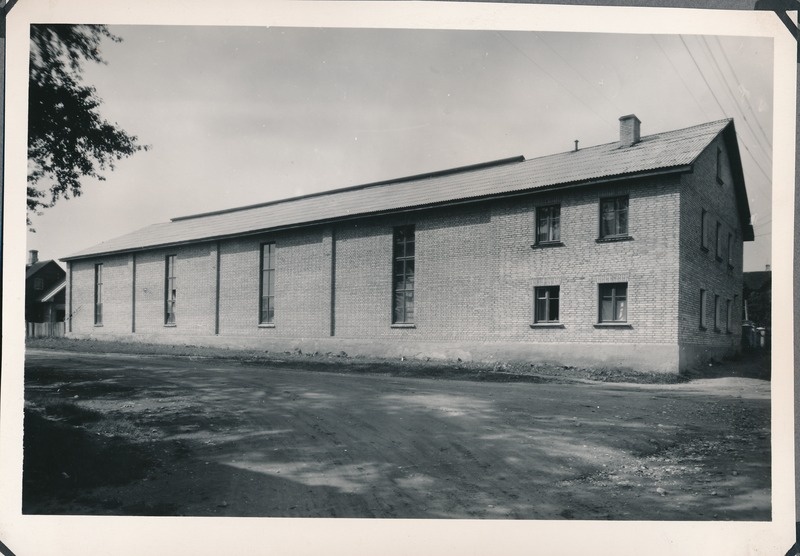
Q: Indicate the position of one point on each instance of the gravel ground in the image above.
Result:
(124, 434)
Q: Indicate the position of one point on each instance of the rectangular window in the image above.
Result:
(548, 224)
(403, 281)
(730, 249)
(718, 247)
(38, 284)
(717, 315)
(546, 304)
(613, 302)
(614, 217)
(98, 293)
(267, 306)
(702, 309)
(704, 229)
(170, 290)
(728, 315)
(719, 165)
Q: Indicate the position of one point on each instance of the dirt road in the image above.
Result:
(154, 435)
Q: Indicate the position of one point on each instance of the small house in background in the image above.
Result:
(757, 295)
(45, 293)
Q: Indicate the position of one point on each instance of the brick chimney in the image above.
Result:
(33, 256)
(629, 130)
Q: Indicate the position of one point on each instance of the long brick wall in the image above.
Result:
(476, 270)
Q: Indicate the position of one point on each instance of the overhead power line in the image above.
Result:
(746, 98)
(724, 79)
(547, 73)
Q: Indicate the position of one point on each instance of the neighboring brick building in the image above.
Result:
(588, 257)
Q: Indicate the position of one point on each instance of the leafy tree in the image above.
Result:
(67, 137)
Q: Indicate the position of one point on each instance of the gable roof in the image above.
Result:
(34, 268)
(672, 151)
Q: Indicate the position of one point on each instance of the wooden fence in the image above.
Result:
(44, 329)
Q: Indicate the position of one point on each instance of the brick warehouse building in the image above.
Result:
(627, 254)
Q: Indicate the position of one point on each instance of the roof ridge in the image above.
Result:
(416, 177)
(642, 138)
(425, 175)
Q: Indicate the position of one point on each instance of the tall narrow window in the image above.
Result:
(613, 302)
(717, 315)
(704, 229)
(546, 304)
(614, 217)
(267, 307)
(98, 293)
(170, 291)
(719, 166)
(548, 224)
(403, 303)
(718, 246)
(728, 315)
(730, 249)
(702, 309)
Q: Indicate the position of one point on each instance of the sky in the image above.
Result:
(241, 115)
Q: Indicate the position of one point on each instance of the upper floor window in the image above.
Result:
(614, 217)
(170, 290)
(719, 165)
(546, 304)
(38, 284)
(548, 224)
(704, 229)
(267, 304)
(613, 302)
(98, 293)
(717, 313)
(403, 276)
(718, 250)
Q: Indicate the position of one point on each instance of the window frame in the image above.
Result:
(717, 312)
(550, 220)
(719, 166)
(98, 294)
(400, 315)
(170, 289)
(548, 298)
(615, 297)
(266, 272)
(718, 240)
(617, 234)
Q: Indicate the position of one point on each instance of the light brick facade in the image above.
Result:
(476, 267)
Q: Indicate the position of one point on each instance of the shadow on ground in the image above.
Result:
(110, 435)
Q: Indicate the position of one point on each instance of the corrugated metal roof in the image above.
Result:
(654, 152)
